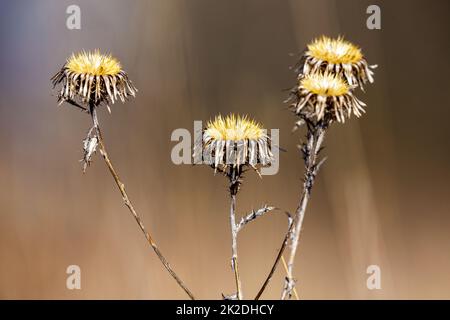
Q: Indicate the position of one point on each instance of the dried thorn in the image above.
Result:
(317, 167)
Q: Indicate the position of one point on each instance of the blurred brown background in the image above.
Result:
(382, 197)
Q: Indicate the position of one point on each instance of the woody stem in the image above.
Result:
(310, 150)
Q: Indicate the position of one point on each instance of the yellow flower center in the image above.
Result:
(234, 128)
(325, 84)
(334, 51)
(93, 63)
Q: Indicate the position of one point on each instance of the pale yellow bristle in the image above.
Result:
(93, 63)
(325, 84)
(234, 128)
(335, 51)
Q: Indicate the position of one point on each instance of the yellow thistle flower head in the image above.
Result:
(335, 51)
(234, 141)
(325, 97)
(93, 63)
(325, 84)
(93, 78)
(337, 56)
(234, 128)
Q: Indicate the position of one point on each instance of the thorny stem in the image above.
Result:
(234, 177)
(253, 216)
(130, 206)
(287, 272)
(310, 150)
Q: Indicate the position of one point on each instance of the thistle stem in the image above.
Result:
(287, 272)
(234, 187)
(310, 149)
(130, 206)
(276, 262)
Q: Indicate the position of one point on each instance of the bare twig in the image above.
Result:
(277, 259)
(234, 175)
(252, 216)
(129, 205)
(310, 150)
(74, 103)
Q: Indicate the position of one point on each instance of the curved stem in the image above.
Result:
(277, 260)
(310, 151)
(130, 206)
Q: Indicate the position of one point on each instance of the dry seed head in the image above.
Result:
(93, 77)
(336, 51)
(325, 84)
(325, 97)
(93, 63)
(337, 56)
(234, 128)
(235, 140)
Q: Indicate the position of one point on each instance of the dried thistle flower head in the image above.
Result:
(325, 96)
(235, 141)
(93, 63)
(235, 128)
(338, 56)
(93, 77)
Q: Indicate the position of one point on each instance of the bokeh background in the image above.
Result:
(382, 197)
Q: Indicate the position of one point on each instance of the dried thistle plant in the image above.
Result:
(337, 56)
(93, 77)
(328, 73)
(231, 145)
(327, 97)
(89, 80)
